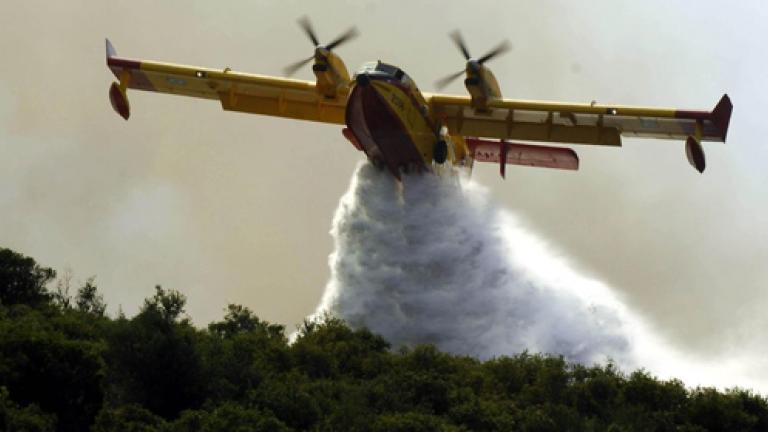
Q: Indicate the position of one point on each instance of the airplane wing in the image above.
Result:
(236, 91)
(578, 123)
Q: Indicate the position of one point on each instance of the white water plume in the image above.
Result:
(434, 261)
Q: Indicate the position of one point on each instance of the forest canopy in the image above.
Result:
(66, 365)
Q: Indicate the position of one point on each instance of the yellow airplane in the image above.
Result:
(405, 130)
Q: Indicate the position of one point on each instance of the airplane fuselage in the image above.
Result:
(389, 118)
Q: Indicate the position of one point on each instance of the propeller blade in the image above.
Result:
(500, 49)
(449, 79)
(307, 27)
(459, 41)
(349, 34)
(291, 69)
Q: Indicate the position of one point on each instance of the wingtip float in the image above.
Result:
(117, 91)
(401, 129)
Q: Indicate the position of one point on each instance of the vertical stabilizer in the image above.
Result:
(110, 49)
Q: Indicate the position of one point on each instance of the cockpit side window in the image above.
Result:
(387, 69)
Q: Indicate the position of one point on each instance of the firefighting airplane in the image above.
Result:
(405, 130)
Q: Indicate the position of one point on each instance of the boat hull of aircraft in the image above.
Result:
(385, 128)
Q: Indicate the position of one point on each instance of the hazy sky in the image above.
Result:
(236, 208)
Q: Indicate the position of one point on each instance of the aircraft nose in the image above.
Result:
(363, 79)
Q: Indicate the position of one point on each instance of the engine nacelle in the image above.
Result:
(332, 77)
(478, 91)
(482, 87)
(119, 100)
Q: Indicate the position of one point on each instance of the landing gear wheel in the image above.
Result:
(440, 152)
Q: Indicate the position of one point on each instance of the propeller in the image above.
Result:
(322, 50)
(472, 64)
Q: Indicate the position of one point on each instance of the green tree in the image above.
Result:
(27, 419)
(128, 418)
(411, 422)
(42, 364)
(89, 300)
(240, 352)
(330, 348)
(66, 366)
(239, 319)
(289, 396)
(228, 417)
(22, 281)
(155, 360)
(715, 411)
(168, 305)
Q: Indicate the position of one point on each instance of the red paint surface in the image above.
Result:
(119, 101)
(522, 154)
(721, 115)
(349, 135)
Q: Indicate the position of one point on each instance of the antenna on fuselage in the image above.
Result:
(473, 65)
(321, 51)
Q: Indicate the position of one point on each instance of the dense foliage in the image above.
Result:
(66, 366)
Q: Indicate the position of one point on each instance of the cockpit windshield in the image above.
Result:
(379, 68)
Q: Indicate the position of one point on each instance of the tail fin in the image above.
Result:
(110, 49)
(721, 115)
